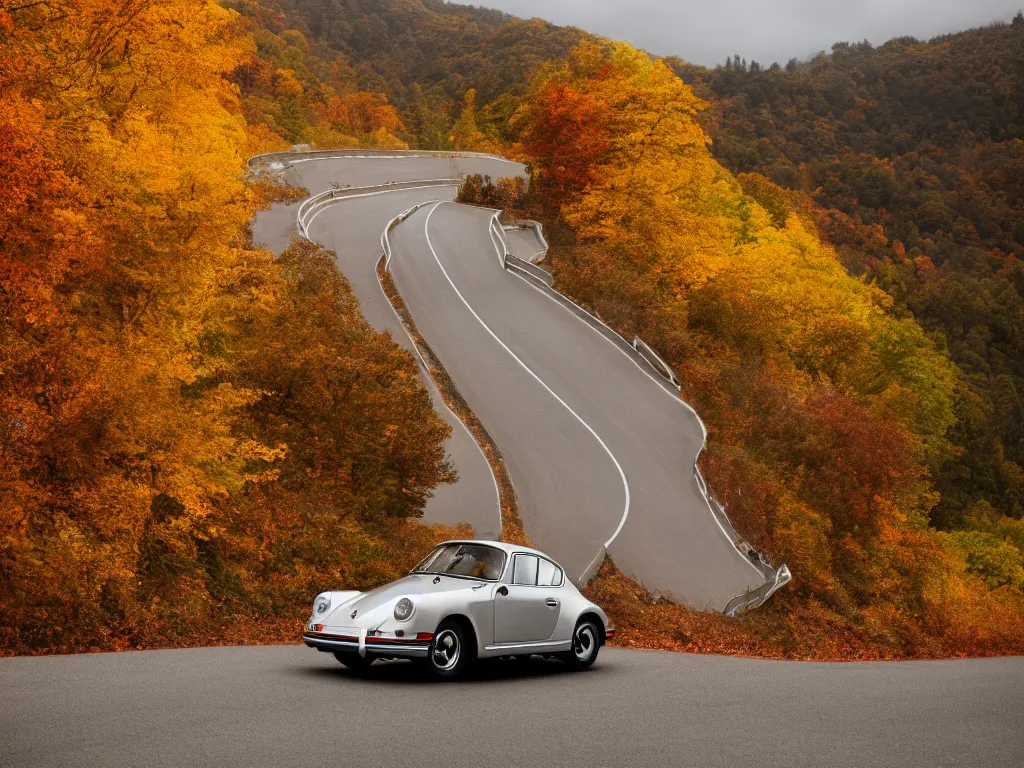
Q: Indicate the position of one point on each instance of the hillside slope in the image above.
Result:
(825, 408)
(910, 159)
(195, 437)
(421, 55)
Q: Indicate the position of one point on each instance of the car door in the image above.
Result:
(527, 609)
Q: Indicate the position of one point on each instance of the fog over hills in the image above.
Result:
(705, 33)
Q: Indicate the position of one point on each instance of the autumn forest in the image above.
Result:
(196, 436)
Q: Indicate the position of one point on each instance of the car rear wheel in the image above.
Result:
(585, 645)
(448, 653)
(353, 660)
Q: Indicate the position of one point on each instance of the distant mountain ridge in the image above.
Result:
(424, 54)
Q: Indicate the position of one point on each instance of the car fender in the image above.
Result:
(338, 600)
(432, 609)
(574, 606)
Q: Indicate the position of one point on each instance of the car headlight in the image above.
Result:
(403, 609)
(321, 605)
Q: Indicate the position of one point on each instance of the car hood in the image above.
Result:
(410, 586)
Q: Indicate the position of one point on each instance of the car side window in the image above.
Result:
(549, 574)
(524, 570)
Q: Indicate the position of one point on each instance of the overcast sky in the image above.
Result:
(763, 30)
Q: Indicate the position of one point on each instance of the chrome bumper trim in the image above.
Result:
(372, 649)
(547, 645)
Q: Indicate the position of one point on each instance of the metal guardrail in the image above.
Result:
(538, 230)
(315, 203)
(543, 280)
(654, 359)
(312, 205)
(756, 558)
(385, 241)
(516, 264)
(756, 597)
(501, 242)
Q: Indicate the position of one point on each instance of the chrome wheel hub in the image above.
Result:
(584, 642)
(446, 650)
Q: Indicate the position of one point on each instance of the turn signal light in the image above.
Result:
(424, 635)
(316, 627)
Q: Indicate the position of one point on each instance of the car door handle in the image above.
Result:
(552, 602)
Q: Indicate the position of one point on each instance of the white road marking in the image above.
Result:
(525, 367)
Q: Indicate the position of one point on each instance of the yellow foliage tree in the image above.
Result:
(465, 135)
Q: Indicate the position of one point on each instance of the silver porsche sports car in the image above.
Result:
(466, 600)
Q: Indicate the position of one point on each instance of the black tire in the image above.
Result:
(586, 642)
(449, 653)
(353, 660)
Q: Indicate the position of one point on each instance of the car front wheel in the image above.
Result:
(585, 645)
(448, 653)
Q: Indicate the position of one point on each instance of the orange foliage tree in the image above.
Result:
(290, 96)
(165, 461)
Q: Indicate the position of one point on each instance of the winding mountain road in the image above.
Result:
(275, 706)
(600, 454)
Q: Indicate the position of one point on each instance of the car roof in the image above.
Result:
(502, 545)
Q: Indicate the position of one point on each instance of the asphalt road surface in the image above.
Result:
(598, 450)
(278, 706)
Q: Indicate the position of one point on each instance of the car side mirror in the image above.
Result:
(503, 590)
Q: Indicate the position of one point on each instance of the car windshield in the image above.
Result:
(475, 560)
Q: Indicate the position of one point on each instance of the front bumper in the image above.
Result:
(371, 646)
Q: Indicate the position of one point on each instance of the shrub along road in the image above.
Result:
(275, 706)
